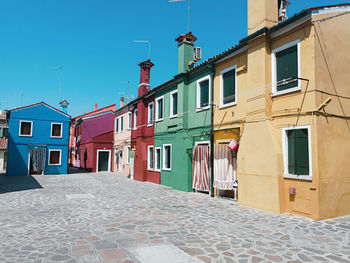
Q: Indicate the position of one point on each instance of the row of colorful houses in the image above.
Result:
(281, 94)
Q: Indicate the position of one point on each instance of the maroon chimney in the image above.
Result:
(96, 105)
(144, 76)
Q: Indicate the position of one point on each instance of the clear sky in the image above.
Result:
(93, 41)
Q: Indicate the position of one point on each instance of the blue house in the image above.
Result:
(38, 138)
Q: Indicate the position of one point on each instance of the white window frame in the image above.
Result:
(148, 158)
(274, 69)
(109, 160)
(199, 108)
(156, 108)
(171, 104)
(171, 162)
(117, 125)
(57, 123)
(285, 153)
(149, 121)
(31, 129)
(129, 120)
(128, 150)
(155, 159)
(135, 119)
(222, 105)
(55, 150)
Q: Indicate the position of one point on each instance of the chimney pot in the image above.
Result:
(121, 102)
(145, 76)
(96, 106)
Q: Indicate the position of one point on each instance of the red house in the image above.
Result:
(142, 134)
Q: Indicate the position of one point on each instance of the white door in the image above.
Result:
(120, 162)
(132, 158)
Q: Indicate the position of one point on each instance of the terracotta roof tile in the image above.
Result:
(3, 143)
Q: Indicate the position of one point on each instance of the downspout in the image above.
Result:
(212, 69)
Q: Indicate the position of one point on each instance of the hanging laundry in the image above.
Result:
(200, 175)
(224, 167)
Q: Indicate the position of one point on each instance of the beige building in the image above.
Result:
(283, 93)
(122, 139)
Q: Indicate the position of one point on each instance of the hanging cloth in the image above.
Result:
(200, 174)
(38, 156)
(224, 167)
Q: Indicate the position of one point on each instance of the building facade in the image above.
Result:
(122, 139)
(38, 140)
(3, 141)
(95, 145)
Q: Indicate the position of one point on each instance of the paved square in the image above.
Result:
(108, 218)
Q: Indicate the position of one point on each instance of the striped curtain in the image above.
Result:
(224, 167)
(38, 156)
(200, 174)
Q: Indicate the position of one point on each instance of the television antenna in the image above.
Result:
(188, 11)
(127, 94)
(149, 45)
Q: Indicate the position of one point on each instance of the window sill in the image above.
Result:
(54, 164)
(298, 177)
(173, 116)
(158, 171)
(150, 169)
(149, 125)
(55, 137)
(159, 120)
(227, 105)
(166, 169)
(282, 92)
(202, 109)
(25, 135)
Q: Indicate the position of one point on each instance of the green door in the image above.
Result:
(103, 160)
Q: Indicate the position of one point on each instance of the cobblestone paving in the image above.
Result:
(104, 218)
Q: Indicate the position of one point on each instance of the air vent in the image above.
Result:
(197, 53)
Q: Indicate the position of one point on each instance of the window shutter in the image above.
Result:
(204, 90)
(1, 132)
(302, 152)
(175, 104)
(291, 151)
(287, 67)
(229, 87)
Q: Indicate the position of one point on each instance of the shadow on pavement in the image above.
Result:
(17, 183)
(76, 170)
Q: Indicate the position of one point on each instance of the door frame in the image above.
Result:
(109, 160)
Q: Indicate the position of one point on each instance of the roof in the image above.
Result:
(104, 109)
(3, 143)
(40, 103)
(241, 44)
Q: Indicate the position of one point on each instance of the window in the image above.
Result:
(167, 157)
(150, 114)
(228, 87)
(203, 93)
(157, 159)
(173, 104)
(159, 108)
(54, 157)
(56, 130)
(117, 125)
(150, 158)
(297, 152)
(135, 119)
(129, 120)
(128, 155)
(286, 68)
(3, 132)
(121, 123)
(25, 128)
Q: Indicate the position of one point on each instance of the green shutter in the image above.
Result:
(175, 104)
(287, 67)
(160, 109)
(204, 90)
(298, 152)
(229, 82)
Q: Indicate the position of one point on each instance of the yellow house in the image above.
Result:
(284, 94)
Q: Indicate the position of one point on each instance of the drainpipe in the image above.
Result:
(212, 69)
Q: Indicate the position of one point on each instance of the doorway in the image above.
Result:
(120, 161)
(103, 161)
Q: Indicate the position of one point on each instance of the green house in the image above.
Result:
(182, 117)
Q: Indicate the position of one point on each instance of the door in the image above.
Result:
(103, 161)
(132, 159)
(120, 162)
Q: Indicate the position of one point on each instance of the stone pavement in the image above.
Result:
(108, 218)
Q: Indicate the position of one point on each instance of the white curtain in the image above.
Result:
(224, 167)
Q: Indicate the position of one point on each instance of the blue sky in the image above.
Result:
(93, 41)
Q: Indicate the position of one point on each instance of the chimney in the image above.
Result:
(262, 13)
(185, 51)
(144, 76)
(121, 102)
(64, 106)
(96, 106)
